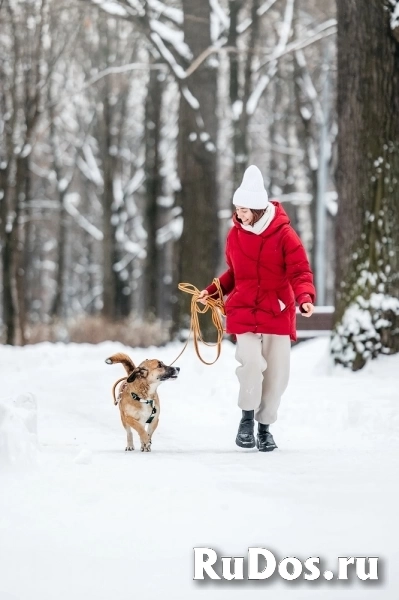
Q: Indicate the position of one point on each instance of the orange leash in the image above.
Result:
(216, 306)
(114, 388)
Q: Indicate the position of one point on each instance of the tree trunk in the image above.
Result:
(7, 269)
(107, 248)
(290, 135)
(6, 240)
(58, 302)
(22, 195)
(239, 101)
(197, 164)
(57, 305)
(367, 232)
(308, 142)
(153, 187)
(111, 281)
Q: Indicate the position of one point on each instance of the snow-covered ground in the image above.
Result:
(81, 519)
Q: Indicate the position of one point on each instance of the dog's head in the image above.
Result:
(153, 371)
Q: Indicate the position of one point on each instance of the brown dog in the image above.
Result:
(138, 398)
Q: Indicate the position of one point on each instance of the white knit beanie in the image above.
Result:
(251, 193)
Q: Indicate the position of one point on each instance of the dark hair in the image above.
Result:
(257, 214)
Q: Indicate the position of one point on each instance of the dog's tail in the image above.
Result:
(124, 359)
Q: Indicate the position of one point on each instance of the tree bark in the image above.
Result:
(57, 306)
(7, 271)
(110, 279)
(22, 196)
(367, 232)
(198, 250)
(308, 142)
(153, 188)
(241, 117)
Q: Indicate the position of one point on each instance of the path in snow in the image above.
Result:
(93, 522)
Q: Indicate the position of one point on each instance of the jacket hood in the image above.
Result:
(280, 218)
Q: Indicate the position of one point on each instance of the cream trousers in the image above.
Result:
(263, 374)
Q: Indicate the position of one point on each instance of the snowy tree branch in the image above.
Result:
(173, 37)
(114, 8)
(172, 14)
(308, 87)
(91, 229)
(136, 66)
(281, 45)
(247, 23)
(320, 32)
(394, 19)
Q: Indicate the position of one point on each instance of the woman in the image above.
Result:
(268, 271)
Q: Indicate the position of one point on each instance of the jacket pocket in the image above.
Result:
(282, 305)
(270, 303)
(285, 299)
(276, 306)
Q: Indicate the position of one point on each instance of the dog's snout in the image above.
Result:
(178, 369)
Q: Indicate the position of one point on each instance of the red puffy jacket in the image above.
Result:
(264, 269)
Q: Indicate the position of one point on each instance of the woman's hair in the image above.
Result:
(257, 214)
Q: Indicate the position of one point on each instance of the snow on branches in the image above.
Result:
(172, 36)
(394, 20)
(264, 80)
(111, 7)
(172, 14)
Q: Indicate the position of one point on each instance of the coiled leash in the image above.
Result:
(116, 400)
(216, 306)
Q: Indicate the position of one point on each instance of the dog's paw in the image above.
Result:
(146, 447)
(129, 449)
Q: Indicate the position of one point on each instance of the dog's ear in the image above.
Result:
(132, 376)
(138, 372)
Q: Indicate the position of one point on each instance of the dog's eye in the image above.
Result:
(160, 365)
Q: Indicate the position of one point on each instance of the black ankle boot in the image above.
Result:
(245, 436)
(264, 439)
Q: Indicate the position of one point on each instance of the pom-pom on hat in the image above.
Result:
(251, 193)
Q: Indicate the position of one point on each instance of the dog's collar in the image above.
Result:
(145, 401)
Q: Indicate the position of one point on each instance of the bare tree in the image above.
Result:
(24, 85)
(153, 186)
(197, 159)
(121, 118)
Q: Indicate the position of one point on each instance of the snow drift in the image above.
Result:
(18, 430)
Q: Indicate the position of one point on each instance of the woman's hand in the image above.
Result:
(307, 309)
(203, 296)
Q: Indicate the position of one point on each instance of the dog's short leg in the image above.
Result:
(129, 435)
(129, 440)
(152, 426)
(144, 437)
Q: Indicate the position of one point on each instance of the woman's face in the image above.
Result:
(245, 214)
